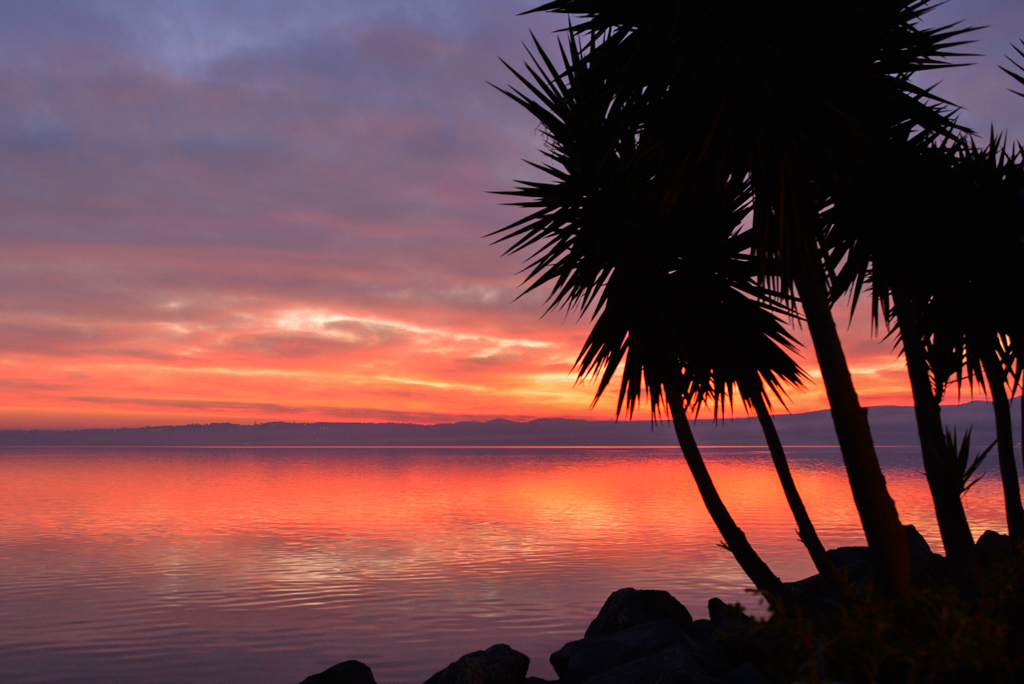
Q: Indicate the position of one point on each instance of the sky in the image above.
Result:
(257, 210)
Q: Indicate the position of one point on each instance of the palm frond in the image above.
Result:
(670, 284)
(1018, 73)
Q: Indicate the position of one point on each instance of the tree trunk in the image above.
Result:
(806, 530)
(887, 541)
(945, 486)
(1004, 434)
(755, 568)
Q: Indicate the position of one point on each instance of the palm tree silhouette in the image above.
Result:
(1012, 342)
(889, 228)
(976, 306)
(793, 97)
(672, 284)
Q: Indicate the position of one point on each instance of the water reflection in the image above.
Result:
(265, 565)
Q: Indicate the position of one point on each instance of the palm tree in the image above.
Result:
(885, 227)
(792, 96)
(941, 228)
(977, 304)
(755, 371)
(651, 326)
(670, 284)
(1017, 74)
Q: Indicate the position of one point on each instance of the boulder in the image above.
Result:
(348, 672)
(817, 594)
(745, 674)
(928, 567)
(578, 661)
(630, 607)
(701, 630)
(722, 650)
(855, 560)
(919, 548)
(727, 617)
(991, 545)
(499, 664)
(708, 656)
(717, 608)
(672, 665)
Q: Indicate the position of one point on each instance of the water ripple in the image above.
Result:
(264, 566)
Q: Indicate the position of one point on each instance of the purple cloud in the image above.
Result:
(178, 178)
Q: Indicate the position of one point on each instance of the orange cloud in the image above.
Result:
(243, 355)
(286, 225)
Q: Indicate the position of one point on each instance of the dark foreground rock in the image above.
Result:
(499, 664)
(630, 607)
(672, 665)
(854, 563)
(578, 661)
(644, 637)
(348, 672)
(991, 545)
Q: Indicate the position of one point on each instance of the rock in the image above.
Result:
(723, 649)
(701, 629)
(855, 563)
(630, 607)
(672, 665)
(853, 556)
(856, 560)
(727, 617)
(709, 658)
(850, 556)
(578, 661)
(745, 674)
(717, 609)
(817, 594)
(499, 664)
(918, 545)
(992, 545)
(928, 567)
(348, 672)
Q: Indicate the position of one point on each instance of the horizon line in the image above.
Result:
(464, 420)
(608, 447)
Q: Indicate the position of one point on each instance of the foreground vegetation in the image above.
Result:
(934, 635)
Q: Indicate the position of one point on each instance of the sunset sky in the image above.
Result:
(255, 210)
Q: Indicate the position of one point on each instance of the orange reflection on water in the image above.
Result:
(592, 497)
(269, 564)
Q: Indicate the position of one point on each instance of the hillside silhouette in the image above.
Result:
(892, 426)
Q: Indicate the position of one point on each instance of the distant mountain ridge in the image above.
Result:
(891, 426)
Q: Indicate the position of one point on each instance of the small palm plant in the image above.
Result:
(956, 459)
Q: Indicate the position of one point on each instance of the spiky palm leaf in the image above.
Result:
(670, 285)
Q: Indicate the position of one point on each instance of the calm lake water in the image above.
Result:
(267, 565)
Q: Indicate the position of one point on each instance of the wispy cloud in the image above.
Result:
(236, 210)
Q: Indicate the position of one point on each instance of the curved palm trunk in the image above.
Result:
(949, 509)
(1004, 435)
(755, 568)
(808, 535)
(887, 541)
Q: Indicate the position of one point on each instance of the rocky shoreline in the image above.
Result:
(648, 637)
(638, 636)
